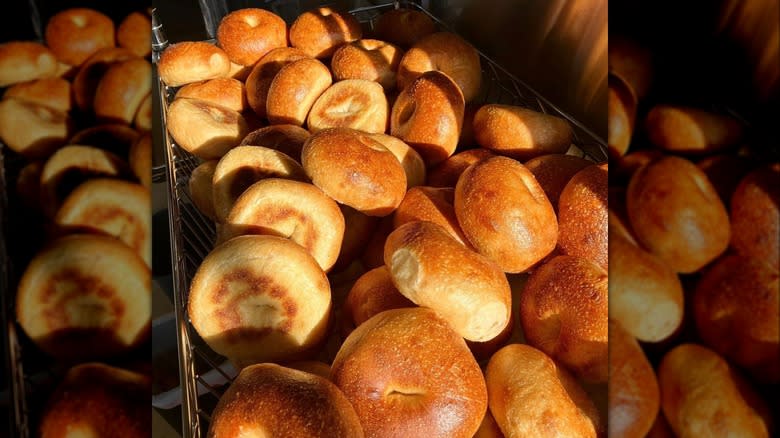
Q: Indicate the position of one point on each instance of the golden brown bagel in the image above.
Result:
(134, 34)
(246, 35)
(371, 60)
(295, 210)
(294, 90)
(263, 73)
(687, 130)
(564, 311)
(428, 115)
(226, 92)
(505, 214)
(187, 62)
(355, 169)
(425, 261)
(73, 35)
(412, 162)
(520, 133)
(430, 204)
(755, 215)
(445, 52)
(91, 72)
(634, 398)
(319, 32)
(532, 396)
(737, 311)
(243, 166)
(95, 399)
(372, 294)
(271, 400)
(140, 159)
(50, 92)
(205, 130)
(287, 139)
(84, 297)
(112, 207)
(352, 103)
(32, 130)
(403, 26)
(255, 312)
(390, 369)
(446, 173)
(22, 61)
(201, 188)
(554, 171)
(122, 89)
(676, 214)
(582, 215)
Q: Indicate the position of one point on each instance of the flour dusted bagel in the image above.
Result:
(22, 61)
(140, 159)
(319, 32)
(246, 35)
(73, 35)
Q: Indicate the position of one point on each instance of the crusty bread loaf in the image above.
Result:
(390, 369)
(73, 35)
(634, 398)
(226, 92)
(430, 204)
(403, 26)
(246, 35)
(412, 162)
(432, 269)
(263, 73)
(31, 129)
(505, 214)
(294, 90)
(532, 396)
(564, 311)
(372, 294)
(354, 169)
(134, 34)
(51, 92)
(122, 89)
(446, 173)
(676, 214)
(271, 400)
(22, 61)
(519, 132)
(686, 130)
(205, 130)
(85, 297)
(582, 215)
(367, 59)
(352, 103)
(187, 62)
(553, 172)
(255, 312)
(319, 32)
(755, 215)
(90, 73)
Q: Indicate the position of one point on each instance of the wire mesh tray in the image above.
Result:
(202, 371)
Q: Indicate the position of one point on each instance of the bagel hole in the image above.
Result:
(86, 312)
(79, 20)
(348, 107)
(252, 21)
(325, 12)
(407, 111)
(394, 391)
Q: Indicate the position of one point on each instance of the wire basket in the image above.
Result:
(203, 372)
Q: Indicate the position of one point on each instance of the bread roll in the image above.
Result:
(296, 210)
(725, 171)
(32, 130)
(372, 294)
(201, 188)
(205, 130)
(428, 115)
(433, 205)
(621, 109)
(371, 60)
(755, 215)
(351, 103)
(355, 170)
(187, 62)
(294, 90)
(412, 162)
(22, 61)
(676, 214)
(701, 395)
(531, 396)
(520, 133)
(271, 400)
(263, 73)
(319, 32)
(134, 34)
(85, 297)
(403, 26)
(91, 72)
(255, 312)
(71, 165)
(433, 270)
(143, 117)
(446, 173)
(737, 310)
(632, 63)
(246, 35)
(447, 53)
(122, 89)
(553, 172)
(391, 370)
(73, 35)
(95, 399)
(693, 131)
(112, 137)
(634, 398)
(226, 92)
(140, 159)
(243, 166)
(505, 214)
(358, 230)
(50, 92)
(582, 215)
(564, 311)
(646, 296)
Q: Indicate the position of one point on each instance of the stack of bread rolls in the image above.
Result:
(693, 252)
(358, 225)
(75, 117)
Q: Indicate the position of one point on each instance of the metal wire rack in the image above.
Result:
(192, 235)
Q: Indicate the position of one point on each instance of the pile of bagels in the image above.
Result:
(375, 230)
(693, 235)
(75, 116)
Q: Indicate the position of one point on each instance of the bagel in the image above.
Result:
(23, 61)
(403, 26)
(433, 205)
(263, 73)
(73, 35)
(686, 130)
(755, 215)
(582, 215)
(372, 294)
(225, 92)
(187, 62)
(205, 130)
(140, 159)
(50, 92)
(294, 90)
(287, 139)
(352, 103)
(446, 173)
(411, 161)
(519, 132)
(134, 34)
(90, 73)
(319, 32)
(246, 35)
(367, 59)
(554, 171)
(122, 89)
(31, 129)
